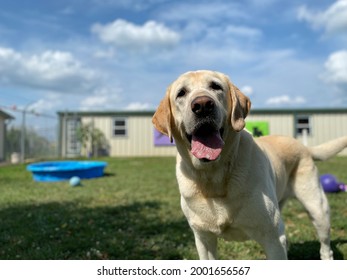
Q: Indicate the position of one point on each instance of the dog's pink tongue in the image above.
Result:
(207, 146)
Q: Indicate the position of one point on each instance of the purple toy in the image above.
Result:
(330, 184)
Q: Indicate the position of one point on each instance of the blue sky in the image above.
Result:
(122, 54)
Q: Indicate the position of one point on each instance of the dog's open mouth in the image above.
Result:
(206, 142)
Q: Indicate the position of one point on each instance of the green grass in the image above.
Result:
(132, 213)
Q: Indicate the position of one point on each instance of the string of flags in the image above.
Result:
(15, 108)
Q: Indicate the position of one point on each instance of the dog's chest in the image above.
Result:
(209, 206)
(208, 214)
(213, 216)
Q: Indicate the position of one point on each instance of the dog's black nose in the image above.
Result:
(202, 106)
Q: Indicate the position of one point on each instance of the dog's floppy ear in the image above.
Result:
(162, 117)
(241, 105)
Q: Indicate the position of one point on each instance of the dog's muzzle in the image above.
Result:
(206, 138)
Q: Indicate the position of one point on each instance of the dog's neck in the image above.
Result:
(209, 179)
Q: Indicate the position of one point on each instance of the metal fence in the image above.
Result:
(31, 136)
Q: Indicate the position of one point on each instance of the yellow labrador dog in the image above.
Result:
(233, 186)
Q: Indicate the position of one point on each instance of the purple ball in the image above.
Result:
(329, 183)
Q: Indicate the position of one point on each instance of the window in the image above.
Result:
(120, 127)
(302, 123)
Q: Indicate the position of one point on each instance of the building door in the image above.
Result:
(73, 145)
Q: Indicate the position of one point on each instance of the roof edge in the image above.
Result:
(6, 115)
(253, 112)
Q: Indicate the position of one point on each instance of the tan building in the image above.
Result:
(132, 134)
(4, 117)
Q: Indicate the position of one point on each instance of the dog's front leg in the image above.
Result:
(206, 244)
(273, 241)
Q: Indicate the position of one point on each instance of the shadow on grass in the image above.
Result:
(136, 231)
(109, 174)
(66, 231)
(309, 250)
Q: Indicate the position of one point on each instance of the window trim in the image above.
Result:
(119, 127)
(307, 126)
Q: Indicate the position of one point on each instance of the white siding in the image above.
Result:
(326, 127)
(139, 140)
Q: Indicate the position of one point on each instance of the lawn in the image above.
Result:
(133, 212)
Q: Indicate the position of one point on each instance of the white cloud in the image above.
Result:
(49, 103)
(243, 31)
(248, 90)
(52, 70)
(336, 68)
(67, 11)
(124, 34)
(212, 11)
(109, 53)
(103, 98)
(262, 3)
(133, 5)
(285, 100)
(137, 106)
(333, 20)
(53, 65)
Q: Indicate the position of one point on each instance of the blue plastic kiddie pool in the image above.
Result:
(51, 171)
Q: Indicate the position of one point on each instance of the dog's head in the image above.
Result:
(199, 110)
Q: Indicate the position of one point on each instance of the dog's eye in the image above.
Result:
(215, 86)
(182, 92)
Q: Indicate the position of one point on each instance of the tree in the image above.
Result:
(36, 146)
(92, 139)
